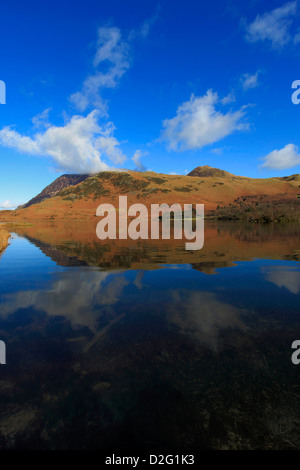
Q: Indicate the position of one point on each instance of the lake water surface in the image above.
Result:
(146, 346)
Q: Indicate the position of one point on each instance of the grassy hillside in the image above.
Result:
(215, 192)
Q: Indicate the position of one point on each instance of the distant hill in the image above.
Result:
(52, 189)
(223, 194)
(295, 177)
(205, 171)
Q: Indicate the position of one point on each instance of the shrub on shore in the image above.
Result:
(4, 237)
(256, 209)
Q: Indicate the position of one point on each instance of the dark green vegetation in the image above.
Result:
(90, 187)
(255, 209)
(183, 189)
(98, 185)
(124, 181)
(156, 180)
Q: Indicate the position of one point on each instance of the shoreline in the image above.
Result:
(4, 238)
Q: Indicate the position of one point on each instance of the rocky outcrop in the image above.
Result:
(54, 188)
(207, 170)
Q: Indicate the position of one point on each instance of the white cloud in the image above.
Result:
(6, 205)
(111, 61)
(41, 119)
(144, 30)
(230, 98)
(273, 26)
(217, 151)
(112, 56)
(78, 146)
(82, 144)
(198, 123)
(201, 315)
(287, 157)
(137, 160)
(72, 296)
(249, 81)
(284, 276)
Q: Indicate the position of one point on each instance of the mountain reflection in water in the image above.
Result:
(146, 346)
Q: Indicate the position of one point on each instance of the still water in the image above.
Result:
(145, 346)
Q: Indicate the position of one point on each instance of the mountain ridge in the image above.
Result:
(55, 187)
(67, 180)
(206, 171)
(77, 196)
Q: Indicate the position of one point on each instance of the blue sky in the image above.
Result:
(165, 86)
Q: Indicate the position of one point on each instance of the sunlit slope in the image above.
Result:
(81, 200)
